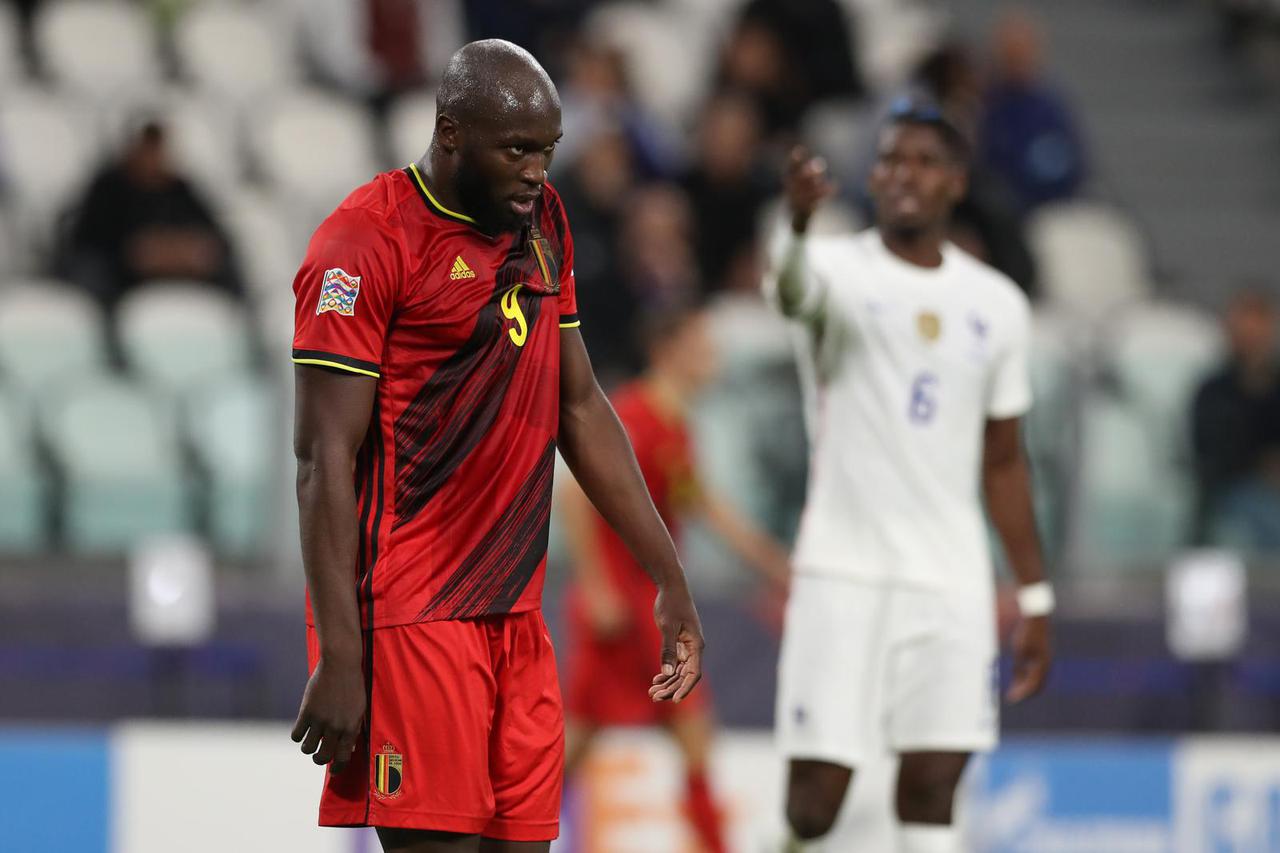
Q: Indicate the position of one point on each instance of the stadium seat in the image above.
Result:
(1133, 508)
(12, 70)
(205, 141)
(232, 426)
(1158, 353)
(97, 47)
(48, 331)
(234, 50)
(115, 447)
(1092, 258)
(47, 149)
(268, 247)
(315, 148)
(410, 124)
(23, 526)
(179, 333)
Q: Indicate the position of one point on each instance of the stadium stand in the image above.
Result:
(114, 443)
(177, 335)
(98, 48)
(49, 331)
(24, 527)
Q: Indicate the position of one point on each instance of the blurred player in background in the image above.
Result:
(439, 370)
(612, 636)
(917, 356)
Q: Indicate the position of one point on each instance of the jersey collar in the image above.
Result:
(435, 206)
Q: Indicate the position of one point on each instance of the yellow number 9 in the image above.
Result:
(511, 310)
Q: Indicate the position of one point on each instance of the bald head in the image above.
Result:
(493, 79)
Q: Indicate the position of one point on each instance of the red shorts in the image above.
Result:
(609, 679)
(465, 731)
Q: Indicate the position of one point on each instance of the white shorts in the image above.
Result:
(868, 667)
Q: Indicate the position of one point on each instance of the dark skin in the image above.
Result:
(488, 160)
(916, 182)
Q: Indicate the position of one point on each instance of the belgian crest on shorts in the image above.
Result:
(388, 771)
(338, 292)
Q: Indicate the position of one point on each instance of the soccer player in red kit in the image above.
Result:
(612, 638)
(439, 369)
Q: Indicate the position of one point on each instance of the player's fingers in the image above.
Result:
(312, 741)
(797, 157)
(669, 659)
(687, 683)
(300, 727)
(342, 752)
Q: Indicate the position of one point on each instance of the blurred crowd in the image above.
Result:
(678, 116)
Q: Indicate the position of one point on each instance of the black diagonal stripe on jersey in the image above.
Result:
(454, 411)
(377, 484)
(495, 573)
(456, 407)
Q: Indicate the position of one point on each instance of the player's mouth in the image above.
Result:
(522, 205)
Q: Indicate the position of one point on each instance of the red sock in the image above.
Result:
(702, 812)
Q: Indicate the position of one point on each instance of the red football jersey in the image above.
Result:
(665, 453)
(461, 331)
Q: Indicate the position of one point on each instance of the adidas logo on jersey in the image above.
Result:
(461, 270)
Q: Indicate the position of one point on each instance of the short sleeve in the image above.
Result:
(1009, 395)
(346, 292)
(568, 300)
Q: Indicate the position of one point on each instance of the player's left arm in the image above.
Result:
(1006, 486)
(596, 448)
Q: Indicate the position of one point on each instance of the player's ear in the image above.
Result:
(447, 133)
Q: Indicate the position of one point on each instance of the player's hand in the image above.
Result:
(1032, 657)
(606, 611)
(332, 714)
(682, 644)
(807, 185)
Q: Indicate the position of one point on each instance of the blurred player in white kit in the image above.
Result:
(915, 360)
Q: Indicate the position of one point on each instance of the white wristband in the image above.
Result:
(1036, 599)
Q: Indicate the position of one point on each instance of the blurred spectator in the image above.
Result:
(377, 49)
(595, 191)
(596, 97)
(1236, 430)
(543, 27)
(987, 223)
(141, 220)
(1028, 133)
(656, 267)
(789, 54)
(754, 63)
(727, 185)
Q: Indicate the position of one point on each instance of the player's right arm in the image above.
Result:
(347, 290)
(793, 284)
(332, 416)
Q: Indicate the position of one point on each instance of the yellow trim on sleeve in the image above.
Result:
(575, 324)
(417, 176)
(322, 363)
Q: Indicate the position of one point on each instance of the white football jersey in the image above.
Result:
(903, 365)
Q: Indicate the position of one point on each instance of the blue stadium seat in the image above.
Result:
(115, 445)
